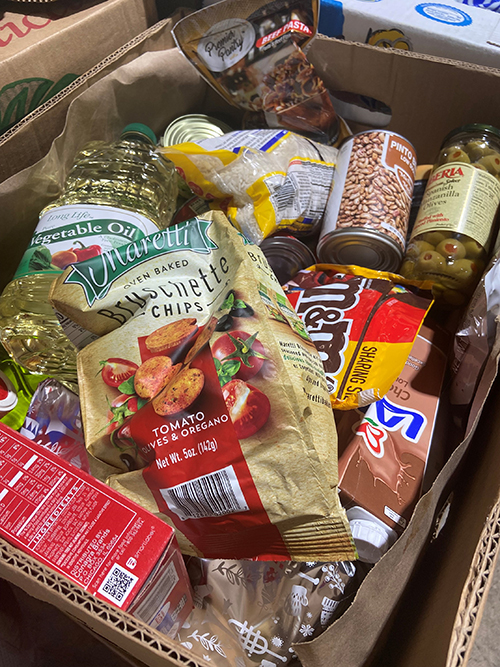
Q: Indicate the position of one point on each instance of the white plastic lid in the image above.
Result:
(8, 395)
(371, 536)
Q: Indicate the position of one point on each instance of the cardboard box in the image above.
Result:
(43, 48)
(418, 605)
(445, 28)
(97, 538)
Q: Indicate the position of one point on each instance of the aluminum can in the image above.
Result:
(286, 255)
(194, 127)
(366, 218)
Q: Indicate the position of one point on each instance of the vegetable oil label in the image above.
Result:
(69, 234)
(459, 198)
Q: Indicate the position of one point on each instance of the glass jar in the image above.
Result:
(453, 231)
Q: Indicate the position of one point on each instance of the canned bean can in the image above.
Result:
(194, 127)
(286, 256)
(366, 218)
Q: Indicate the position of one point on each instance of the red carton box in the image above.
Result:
(93, 535)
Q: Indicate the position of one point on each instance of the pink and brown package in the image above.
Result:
(385, 455)
(252, 54)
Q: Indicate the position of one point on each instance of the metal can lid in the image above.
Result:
(194, 127)
(286, 255)
(470, 129)
(360, 247)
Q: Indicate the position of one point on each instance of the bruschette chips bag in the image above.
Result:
(206, 396)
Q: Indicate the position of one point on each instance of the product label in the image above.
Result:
(373, 186)
(69, 234)
(459, 198)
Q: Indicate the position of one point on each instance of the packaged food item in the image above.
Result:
(266, 180)
(82, 529)
(383, 462)
(114, 193)
(249, 612)
(17, 386)
(54, 421)
(252, 54)
(363, 324)
(475, 336)
(286, 255)
(455, 227)
(366, 220)
(226, 428)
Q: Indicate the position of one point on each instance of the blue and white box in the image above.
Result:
(447, 29)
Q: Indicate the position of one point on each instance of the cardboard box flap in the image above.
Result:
(109, 622)
(430, 84)
(30, 139)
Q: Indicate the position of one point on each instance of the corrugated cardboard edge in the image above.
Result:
(475, 591)
(136, 638)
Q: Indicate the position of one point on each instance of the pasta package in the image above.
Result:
(204, 399)
(252, 53)
(265, 180)
(363, 323)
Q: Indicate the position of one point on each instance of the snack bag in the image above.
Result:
(363, 323)
(206, 407)
(266, 180)
(251, 53)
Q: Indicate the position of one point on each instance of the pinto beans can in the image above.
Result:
(204, 399)
(366, 219)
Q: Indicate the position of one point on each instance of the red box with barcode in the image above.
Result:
(93, 535)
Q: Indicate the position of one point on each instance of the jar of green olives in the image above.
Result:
(455, 223)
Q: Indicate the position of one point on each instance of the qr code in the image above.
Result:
(117, 584)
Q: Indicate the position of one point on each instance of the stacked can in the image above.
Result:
(366, 219)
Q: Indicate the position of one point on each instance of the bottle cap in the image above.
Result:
(371, 536)
(140, 131)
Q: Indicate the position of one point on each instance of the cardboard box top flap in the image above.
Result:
(117, 627)
(30, 139)
(439, 94)
(34, 24)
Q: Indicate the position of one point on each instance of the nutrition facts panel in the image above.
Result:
(60, 517)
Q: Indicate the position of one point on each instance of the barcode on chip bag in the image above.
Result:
(215, 494)
(118, 584)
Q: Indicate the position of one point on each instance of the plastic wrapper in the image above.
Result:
(207, 403)
(252, 613)
(266, 180)
(252, 54)
(54, 421)
(363, 323)
(475, 336)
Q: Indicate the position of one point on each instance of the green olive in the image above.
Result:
(416, 248)
(407, 268)
(429, 262)
(434, 238)
(451, 249)
(463, 270)
(477, 149)
(491, 163)
(473, 249)
(481, 167)
(453, 154)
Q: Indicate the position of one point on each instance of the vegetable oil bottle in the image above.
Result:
(115, 193)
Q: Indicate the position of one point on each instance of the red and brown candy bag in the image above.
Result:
(251, 53)
(204, 398)
(363, 323)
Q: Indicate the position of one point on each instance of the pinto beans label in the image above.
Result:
(373, 186)
(221, 422)
(363, 324)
